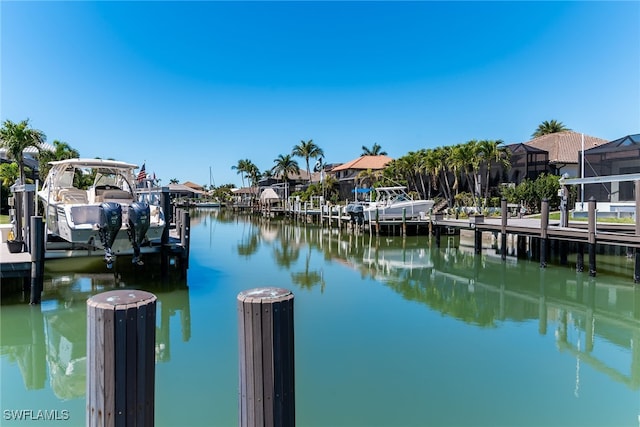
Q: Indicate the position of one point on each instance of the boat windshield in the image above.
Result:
(65, 179)
(111, 179)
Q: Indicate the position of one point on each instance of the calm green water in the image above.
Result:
(389, 332)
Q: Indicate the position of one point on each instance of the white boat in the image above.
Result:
(397, 261)
(390, 203)
(105, 216)
(207, 204)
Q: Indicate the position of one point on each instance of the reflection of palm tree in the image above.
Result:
(286, 254)
(308, 279)
(249, 244)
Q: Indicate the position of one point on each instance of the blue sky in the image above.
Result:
(189, 86)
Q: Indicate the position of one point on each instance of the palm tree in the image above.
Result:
(253, 174)
(243, 167)
(373, 151)
(285, 165)
(307, 149)
(367, 178)
(9, 173)
(267, 174)
(465, 157)
(16, 137)
(62, 151)
(492, 153)
(439, 160)
(174, 181)
(547, 127)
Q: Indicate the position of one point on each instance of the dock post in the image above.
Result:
(636, 270)
(438, 231)
(185, 239)
(544, 225)
(592, 236)
(121, 340)
(521, 246)
(167, 210)
(37, 258)
(580, 258)
(266, 358)
(477, 241)
(377, 222)
(404, 222)
(564, 211)
(503, 229)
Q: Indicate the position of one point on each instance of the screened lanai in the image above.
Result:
(527, 162)
(618, 157)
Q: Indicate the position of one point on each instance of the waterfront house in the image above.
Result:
(564, 150)
(618, 157)
(346, 173)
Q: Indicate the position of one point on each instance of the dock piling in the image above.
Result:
(266, 358)
(580, 258)
(37, 258)
(636, 270)
(121, 337)
(592, 236)
(544, 226)
(503, 229)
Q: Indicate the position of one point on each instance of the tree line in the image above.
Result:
(451, 173)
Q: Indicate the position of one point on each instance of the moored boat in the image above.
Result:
(390, 203)
(105, 216)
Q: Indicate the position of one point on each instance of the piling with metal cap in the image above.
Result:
(266, 357)
(121, 339)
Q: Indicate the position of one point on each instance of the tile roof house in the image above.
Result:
(564, 149)
(346, 173)
(194, 186)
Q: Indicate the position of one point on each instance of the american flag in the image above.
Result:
(142, 175)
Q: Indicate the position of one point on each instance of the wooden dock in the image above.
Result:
(14, 264)
(172, 249)
(540, 231)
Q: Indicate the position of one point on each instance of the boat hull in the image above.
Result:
(415, 209)
(78, 224)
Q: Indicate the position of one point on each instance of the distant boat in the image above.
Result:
(207, 204)
(390, 203)
(106, 216)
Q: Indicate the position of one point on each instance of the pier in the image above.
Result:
(26, 263)
(540, 232)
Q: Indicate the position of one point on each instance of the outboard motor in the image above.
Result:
(356, 212)
(110, 224)
(139, 220)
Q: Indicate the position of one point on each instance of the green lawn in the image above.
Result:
(556, 216)
(4, 219)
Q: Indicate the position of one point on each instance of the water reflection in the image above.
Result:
(480, 289)
(51, 339)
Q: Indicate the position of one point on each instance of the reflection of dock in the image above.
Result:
(586, 300)
(461, 285)
(51, 337)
